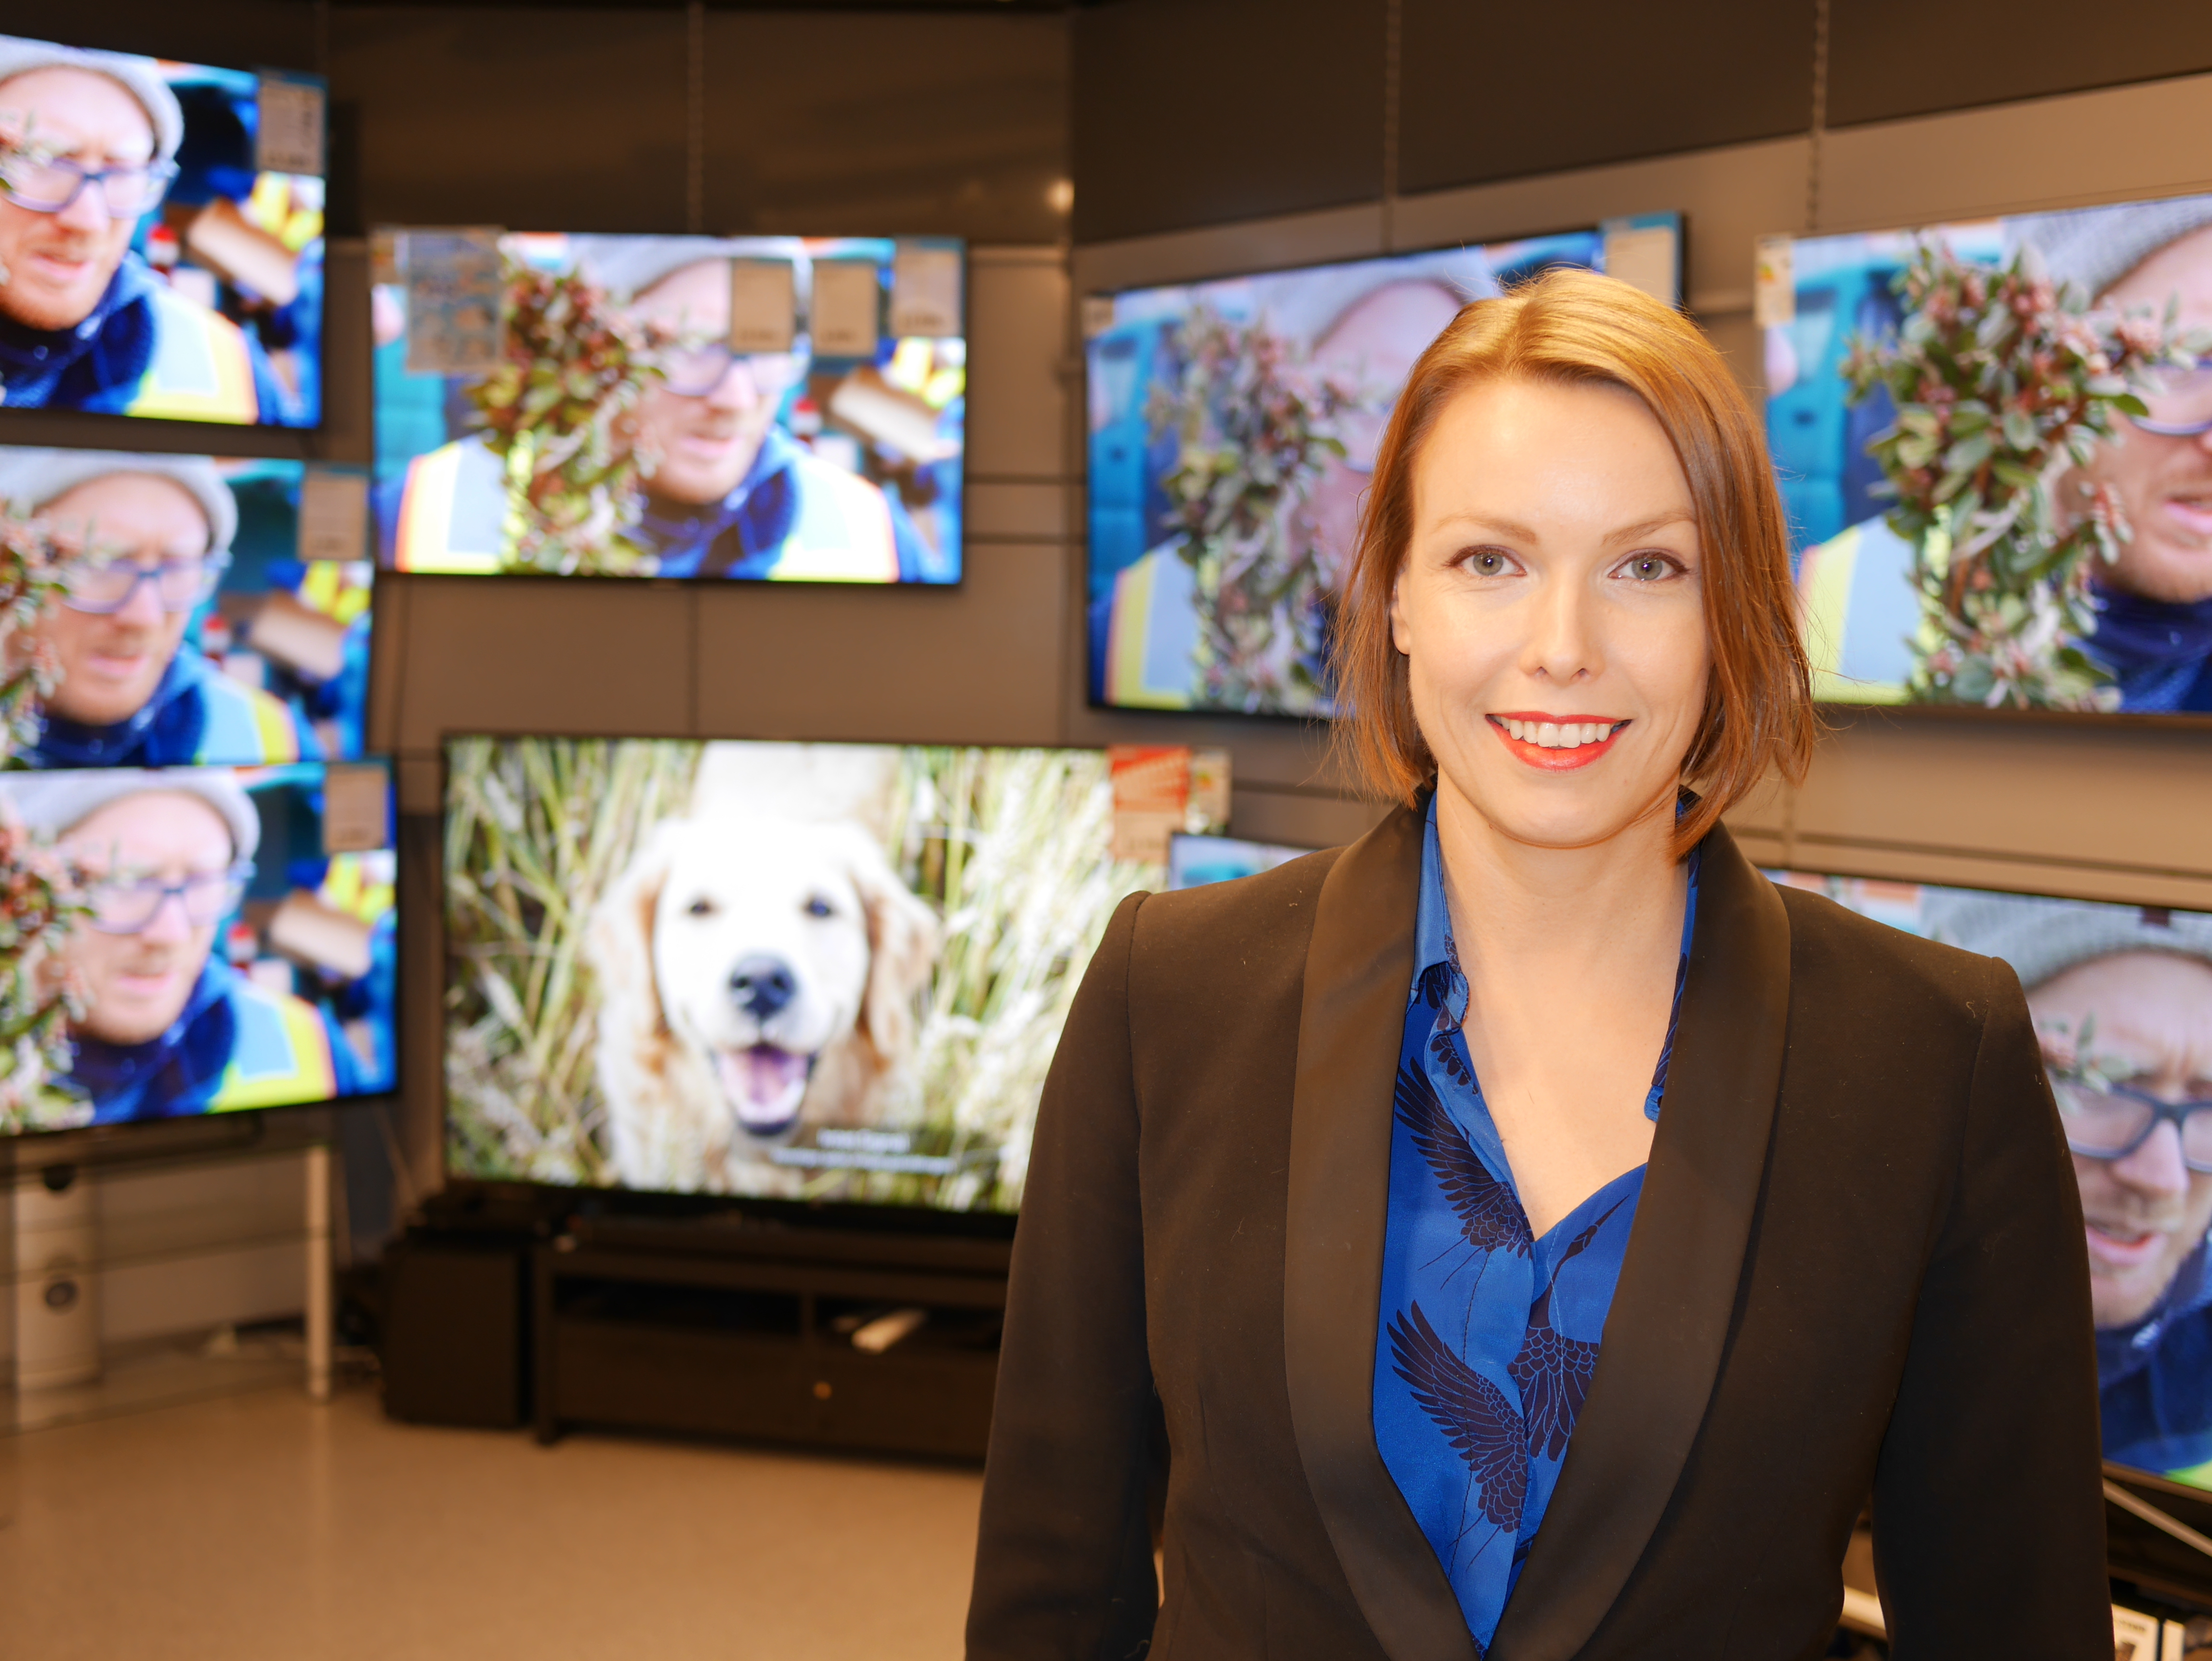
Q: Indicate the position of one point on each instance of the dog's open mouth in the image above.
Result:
(764, 1084)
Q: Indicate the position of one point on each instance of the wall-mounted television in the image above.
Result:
(2031, 524)
(231, 946)
(161, 231)
(1233, 425)
(1194, 861)
(2122, 1001)
(770, 408)
(817, 972)
(190, 626)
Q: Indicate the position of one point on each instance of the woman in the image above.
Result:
(1535, 1233)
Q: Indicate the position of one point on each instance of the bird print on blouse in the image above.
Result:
(1491, 1333)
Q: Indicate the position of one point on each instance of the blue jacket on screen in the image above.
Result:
(235, 1045)
(197, 716)
(744, 534)
(2155, 1378)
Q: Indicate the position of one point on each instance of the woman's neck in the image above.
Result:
(1516, 902)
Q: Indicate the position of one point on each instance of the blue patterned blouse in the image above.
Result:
(1489, 1336)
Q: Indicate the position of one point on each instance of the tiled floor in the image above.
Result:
(262, 1526)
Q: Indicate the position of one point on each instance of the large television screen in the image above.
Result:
(1991, 438)
(226, 942)
(767, 408)
(793, 971)
(2122, 1001)
(188, 627)
(160, 238)
(1232, 427)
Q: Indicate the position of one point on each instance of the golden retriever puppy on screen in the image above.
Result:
(757, 980)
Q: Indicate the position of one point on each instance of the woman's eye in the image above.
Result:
(1490, 562)
(1649, 567)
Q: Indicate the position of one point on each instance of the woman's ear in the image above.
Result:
(619, 941)
(1397, 611)
(902, 939)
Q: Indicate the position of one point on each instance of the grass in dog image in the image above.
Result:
(795, 970)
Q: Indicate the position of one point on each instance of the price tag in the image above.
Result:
(289, 128)
(848, 297)
(456, 302)
(1645, 257)
(1774, 283)
(763, 305)
(334, 513)
(356, 808)
(926, 292)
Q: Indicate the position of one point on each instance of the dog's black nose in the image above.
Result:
(761, 986)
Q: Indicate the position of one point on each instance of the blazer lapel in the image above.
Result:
(1661, 1348)
(1360, 972)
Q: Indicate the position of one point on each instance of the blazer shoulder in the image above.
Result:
(1228, 919)
(1834, 951)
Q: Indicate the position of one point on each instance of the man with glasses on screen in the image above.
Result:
(2121, 1000)
(144, 540)
(728, 492)
(88, 144)
(168, 1027)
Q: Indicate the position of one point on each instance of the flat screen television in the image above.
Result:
(2031, 525)
(1194, 861)
(772, 408)
(230, 946)
(190, 626)
(796, 972)
(1233, 425)
(2121, 1000)
(162, 234)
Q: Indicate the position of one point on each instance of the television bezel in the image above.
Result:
(966, 478)
(97, 1137)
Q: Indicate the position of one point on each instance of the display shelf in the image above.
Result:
(754, 1334)
(163, 1372)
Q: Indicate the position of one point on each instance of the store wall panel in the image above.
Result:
(540, 655)
(1889, 59)
(977, 664)
(238, 34)
(1191, 113)
(828, 123)
(1022, 374)
(555, 119)
(1500, 92)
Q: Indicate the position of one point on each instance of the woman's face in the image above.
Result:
(1550, 610)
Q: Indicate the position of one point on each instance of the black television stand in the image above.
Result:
(849, 1338)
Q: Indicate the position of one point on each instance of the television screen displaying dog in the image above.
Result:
(796, 972)
(1232, 426)
(1991, 438)
(2121, 997)
(196, 940)
(161, 237)
(191, 622)
(766, 407)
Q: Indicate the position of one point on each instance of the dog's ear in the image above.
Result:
(620, 938)
(902, 935)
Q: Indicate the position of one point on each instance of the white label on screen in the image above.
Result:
(846, 293)
(1097, 314)
(1643, 257)
(334, 513)
(926, 292)
(1773, 284)
(763, 305)
(288, 130)
(356, 808)
(456, 302)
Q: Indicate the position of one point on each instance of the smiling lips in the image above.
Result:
(1558, 744)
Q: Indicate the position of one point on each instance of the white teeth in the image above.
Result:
(1547, 734)
(1593, 731)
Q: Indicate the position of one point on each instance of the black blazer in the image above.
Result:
(1858, 1266)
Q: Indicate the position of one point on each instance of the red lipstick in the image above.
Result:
(1553, 758)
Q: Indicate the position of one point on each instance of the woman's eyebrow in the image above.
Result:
(1645, 527)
